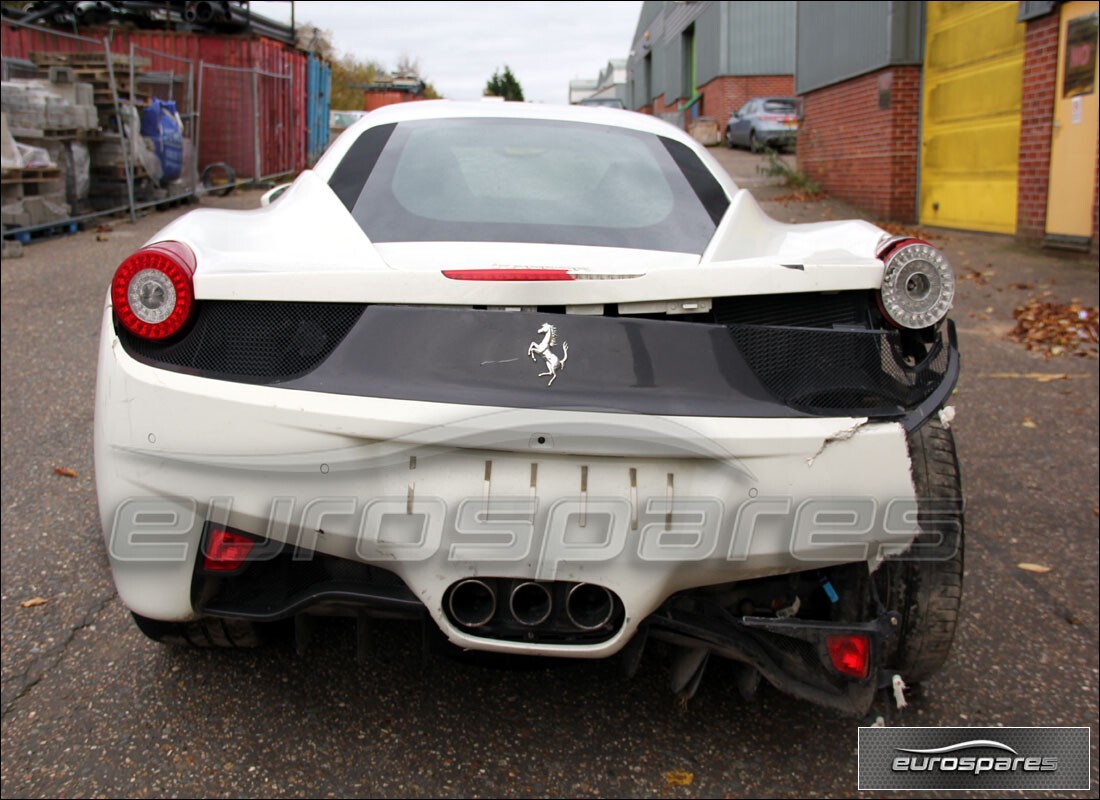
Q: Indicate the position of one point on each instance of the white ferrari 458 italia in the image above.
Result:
(545, 379)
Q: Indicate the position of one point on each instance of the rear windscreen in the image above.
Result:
(555, 182)
(781, 107)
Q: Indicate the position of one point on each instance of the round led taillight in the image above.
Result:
(153, 293)
(918, 285)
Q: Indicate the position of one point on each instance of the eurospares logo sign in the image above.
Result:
(974, 758)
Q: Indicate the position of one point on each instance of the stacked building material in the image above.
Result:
(107, 150)
(45, 169)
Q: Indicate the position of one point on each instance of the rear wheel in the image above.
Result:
(925, 584)
(729, 137)
(203, 632)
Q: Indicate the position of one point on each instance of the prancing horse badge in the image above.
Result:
(545, 349)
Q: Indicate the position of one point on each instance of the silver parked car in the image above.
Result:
(764, 122)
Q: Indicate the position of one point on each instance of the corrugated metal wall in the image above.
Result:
(761, 38)
(731, 38)
(840, 40)
(710, 60)
(673, 52)
(318, 95)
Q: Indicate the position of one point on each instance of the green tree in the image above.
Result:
(350, 73)
(349, 76)
(504, 84)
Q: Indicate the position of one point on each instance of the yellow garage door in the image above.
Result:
(970, 118)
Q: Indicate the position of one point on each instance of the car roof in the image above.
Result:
(449, 109)
(453, 109)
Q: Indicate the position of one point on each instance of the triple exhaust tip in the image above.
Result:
(473, 603)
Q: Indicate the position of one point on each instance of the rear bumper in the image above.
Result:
(645, 505)
(777, 135)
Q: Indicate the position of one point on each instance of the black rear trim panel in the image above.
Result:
(750, 366)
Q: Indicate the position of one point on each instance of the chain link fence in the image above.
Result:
(91, 131)
(245, 128)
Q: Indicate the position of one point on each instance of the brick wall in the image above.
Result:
(724, 95)
(1036, 114)
(860, 152)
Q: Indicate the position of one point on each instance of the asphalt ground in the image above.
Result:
(92, 708)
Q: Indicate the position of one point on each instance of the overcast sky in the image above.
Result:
(460, 44)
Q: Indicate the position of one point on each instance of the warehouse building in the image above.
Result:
(977, 116)
(706, 59)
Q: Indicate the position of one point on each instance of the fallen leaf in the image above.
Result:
(1026, 566)
(897, 229)
(1054, 328)
(798, 197)
(64, 471)
(980, 278)
(679, 777)
(33, 602)
(1029, 423)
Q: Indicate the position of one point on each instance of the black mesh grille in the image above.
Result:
(251, 342)
(828, 370)
(809, 310)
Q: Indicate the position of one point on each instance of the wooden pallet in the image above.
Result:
(115, 171)
(105, 98)
(45, 232)
(51, 134)
(54, 58)
(61, 133)
(30, 175)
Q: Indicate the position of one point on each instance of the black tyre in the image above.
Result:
(203, 632)
(925, 585)
(729, 138)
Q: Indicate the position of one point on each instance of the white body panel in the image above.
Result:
(317, 251)
(162, 434)
(215, 444)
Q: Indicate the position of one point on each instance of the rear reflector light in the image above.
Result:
(226, 551)
(508, 274)
(850, 653)
(152, 292)
(918, 285)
